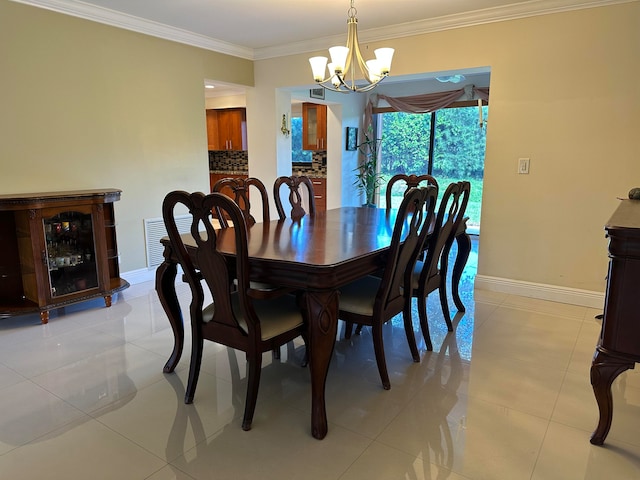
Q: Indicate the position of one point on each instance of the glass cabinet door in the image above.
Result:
(70, 251)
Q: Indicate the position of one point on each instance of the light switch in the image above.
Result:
(523, 165)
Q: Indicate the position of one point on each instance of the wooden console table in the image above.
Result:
(618, 348)
(57, 248)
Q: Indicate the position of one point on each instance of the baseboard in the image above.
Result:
(139, 276)
(554, 293)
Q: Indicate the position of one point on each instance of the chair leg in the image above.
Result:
(348, 328)
(424, 325)
(408, 330)
(359, 329)
(442, 290)
(254, 363)
(276, 353)
(194, 368)
(378, 348)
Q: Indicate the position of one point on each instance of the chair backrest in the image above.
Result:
(214, 267)
(465, 193)
(443, 229)
(240, 188)
(404, 181)
(410, 230)
(300, 190)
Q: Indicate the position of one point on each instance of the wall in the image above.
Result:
(563, 93)
(119, 109)
(86, 105)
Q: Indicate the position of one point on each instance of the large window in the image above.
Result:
(448, 144)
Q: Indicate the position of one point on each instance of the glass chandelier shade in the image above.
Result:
(345, 60)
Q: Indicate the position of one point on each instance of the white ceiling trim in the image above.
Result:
(478, 17)
(140, 25)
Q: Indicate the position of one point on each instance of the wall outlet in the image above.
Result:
(523, 165)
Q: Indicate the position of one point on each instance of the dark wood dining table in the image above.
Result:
(316, 255)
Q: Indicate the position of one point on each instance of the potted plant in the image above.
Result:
(368, 178)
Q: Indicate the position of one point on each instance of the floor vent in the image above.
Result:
(154, 230)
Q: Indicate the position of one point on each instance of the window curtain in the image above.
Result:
(425, 103)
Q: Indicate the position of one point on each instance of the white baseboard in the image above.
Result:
(554, 293)
(139, 276)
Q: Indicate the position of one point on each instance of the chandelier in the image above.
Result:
(344, 60)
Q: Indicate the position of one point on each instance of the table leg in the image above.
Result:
(322, 308)
(604, 370)
(463, 242)
(166, 289)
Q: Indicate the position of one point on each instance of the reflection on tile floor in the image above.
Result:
(506, 397)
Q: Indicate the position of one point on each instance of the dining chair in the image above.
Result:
(239, 189)
(430, 274)
(234, 318)
(458, 234)
(374, 300)
(300, 193)
(405, 182)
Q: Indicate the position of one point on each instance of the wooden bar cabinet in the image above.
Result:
(56, 249)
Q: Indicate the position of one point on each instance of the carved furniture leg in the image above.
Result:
(165, 287)
(322, 309)
(107, 301)
(44, 317)
(463, 242)
(604, 370)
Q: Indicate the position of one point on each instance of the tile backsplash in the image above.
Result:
(237, 162)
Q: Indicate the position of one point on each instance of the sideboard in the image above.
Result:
(618, 347)
(56, 249)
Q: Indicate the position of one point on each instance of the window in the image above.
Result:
(297, 153)
(448, 144)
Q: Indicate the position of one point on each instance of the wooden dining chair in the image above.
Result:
(403, 182)
(430, 274)
(234, 318)
(300, 192)
(239, 189)
(374, 300)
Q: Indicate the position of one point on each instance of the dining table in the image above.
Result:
(315, 255)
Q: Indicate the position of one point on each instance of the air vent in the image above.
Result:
(154, 230)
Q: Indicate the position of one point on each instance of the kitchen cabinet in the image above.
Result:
(56, 249)
(227, 129)
(320, 193)
(314, 126)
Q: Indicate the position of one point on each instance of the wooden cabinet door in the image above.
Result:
(213, 136)
(227, 129)
(314, 126)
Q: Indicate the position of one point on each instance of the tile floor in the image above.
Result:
(505, 397)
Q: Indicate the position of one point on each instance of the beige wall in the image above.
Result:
(86, 105)
(563, 93)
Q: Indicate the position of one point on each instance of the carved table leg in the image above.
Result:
(165, 287)
(322, 308)
(604, 370)
(463, 242)
(44, 317)
(107, 301)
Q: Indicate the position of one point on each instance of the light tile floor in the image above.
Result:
(505, 397)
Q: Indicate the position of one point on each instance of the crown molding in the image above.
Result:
(140, 25)
(477, 17)
(448, 22)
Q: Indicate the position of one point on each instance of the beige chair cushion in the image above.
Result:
(276, 316)
(359, 296)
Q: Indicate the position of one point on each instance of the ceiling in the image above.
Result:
(258, 29)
